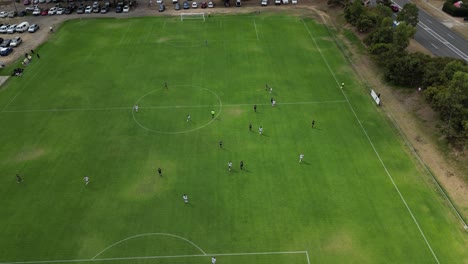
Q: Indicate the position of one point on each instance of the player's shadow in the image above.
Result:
(305, 162)
(264, 135)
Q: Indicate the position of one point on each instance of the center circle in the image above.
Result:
(166, 110)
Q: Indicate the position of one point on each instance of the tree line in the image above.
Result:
(443, 80)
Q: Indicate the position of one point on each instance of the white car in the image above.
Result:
(15, 42)
(277, 2)
(3, 14)
(294, 2)
(126, 9)
(11, 29)
(264, 2)
(175, 1)
(4, 28)
(210, 4)
(88, 10)
(36, 12)
(60, 10)
(52, 11)
(159, 2)
(194, 5)
(285, 2)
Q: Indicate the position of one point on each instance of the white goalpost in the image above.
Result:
(184, 16)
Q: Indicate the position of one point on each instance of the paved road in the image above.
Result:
(437, 38)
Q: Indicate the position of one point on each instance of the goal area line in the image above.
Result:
(305, 253)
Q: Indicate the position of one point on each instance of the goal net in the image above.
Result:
(184, 16)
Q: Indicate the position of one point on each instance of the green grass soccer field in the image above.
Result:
(357, 197)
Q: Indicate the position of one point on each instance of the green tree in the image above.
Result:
(382, 11)
(431, 76)
(353, 12)
(365, 24)
(450, 69)
(337, 2)
(402, 34)
(409, 14)
(405, 69)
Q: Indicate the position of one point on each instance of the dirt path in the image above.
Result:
(407, 109)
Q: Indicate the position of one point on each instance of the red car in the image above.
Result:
(26, 2)
(395, 8)
(203, 5)
(44, 12)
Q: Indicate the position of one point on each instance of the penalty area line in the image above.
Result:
(160, 257)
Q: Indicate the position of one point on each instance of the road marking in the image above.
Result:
(444, 41)
(434, 46)
(450, 36)
(372, 145)
(429, 21)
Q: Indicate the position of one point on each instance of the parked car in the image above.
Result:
(26, 2)
(52, 11)
(33, 28)
(118, 9)
(5, 51)
(96, 9)
(60, 10)
(294, 2)
(104, 10)
(277, 2)
(3, 14)
(177, 6)
(159, 2)
(238, 3)
(210, 4)
(12, 14)
(15, 42)
(36, 12)
(4, 28)
(95, 4)
(395, 8)
(5, 43)
(264, 2)
(285, 2)
(194, 4)
(203, 5)
(44, 12)
(186, 5)
(31, 8)
(175, 1)
(126, 9)
(80, 10)
(11, 29)
(22, 27)
(88, 10)
(67, 11)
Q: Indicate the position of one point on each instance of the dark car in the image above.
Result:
(177, 6)
(186, 5)
(5, 51)
(96, 9)
(161, 8)
(203, 5)
(119, 9)
(80, 10)
(5, 43)
(67, 11)
(26, 2)
(104, 10)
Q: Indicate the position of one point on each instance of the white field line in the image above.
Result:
(372, 145)
(125, 34)
(37, 71)
(151, 234)
(156, 257)
(307, 255)
(256, 32)
(162, 107)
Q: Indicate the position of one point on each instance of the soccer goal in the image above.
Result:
(184, 16)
